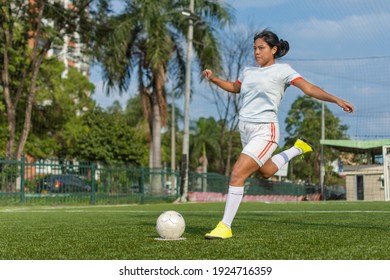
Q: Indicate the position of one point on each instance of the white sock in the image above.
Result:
(282, 158)
(233, 201)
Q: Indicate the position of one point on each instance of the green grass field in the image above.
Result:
(269, 231)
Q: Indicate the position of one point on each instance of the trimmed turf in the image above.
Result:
(271, 231)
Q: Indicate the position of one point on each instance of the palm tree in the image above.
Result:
(206, 139)
(147, 39)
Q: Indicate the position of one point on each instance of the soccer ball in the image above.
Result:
(170, 225)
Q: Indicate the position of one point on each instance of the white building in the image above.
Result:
(369, 181)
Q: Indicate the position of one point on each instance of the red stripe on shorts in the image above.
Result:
(270, 143)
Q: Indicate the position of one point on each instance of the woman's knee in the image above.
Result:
(265, 175)
(268, 169)
(243, 168)
(237, 178)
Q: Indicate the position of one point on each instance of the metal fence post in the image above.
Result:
(93, 183)
(22, 165)
(142, 185)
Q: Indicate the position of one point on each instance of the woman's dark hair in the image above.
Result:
(273, 40)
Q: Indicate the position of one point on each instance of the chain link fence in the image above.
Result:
(66, 182)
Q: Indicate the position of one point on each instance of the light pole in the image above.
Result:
(322, 163)
(173, 144)
(186, 135)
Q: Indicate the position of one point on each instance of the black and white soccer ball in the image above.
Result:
(170, 225)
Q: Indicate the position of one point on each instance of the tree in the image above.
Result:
(148, 38)
(235, 57)
(57, 109)
(205, 142)
(28, 30)
(304, 119)
(108, 138)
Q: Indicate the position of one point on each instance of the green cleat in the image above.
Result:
(221, 231)
(303, 145)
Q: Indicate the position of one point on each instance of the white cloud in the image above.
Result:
(350, 26)
(351, 36)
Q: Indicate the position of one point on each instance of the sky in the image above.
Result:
(341, 46)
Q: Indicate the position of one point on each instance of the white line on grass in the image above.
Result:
(54, 210)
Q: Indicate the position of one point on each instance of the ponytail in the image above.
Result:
(283, 48)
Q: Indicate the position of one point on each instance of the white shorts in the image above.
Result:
(259, 140)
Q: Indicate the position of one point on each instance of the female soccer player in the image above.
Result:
(262, 88)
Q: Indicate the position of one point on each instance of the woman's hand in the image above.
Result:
(347, 107)
(208, 74)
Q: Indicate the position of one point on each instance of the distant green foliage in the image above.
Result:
(108, 138)
(29, 30)
(304, 119)
(56, 115)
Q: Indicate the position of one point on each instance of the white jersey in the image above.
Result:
(262, 89)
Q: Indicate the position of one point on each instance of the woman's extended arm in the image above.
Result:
(318, 93)
(234, 87)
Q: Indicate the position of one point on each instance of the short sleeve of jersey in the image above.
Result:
(289, 74)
